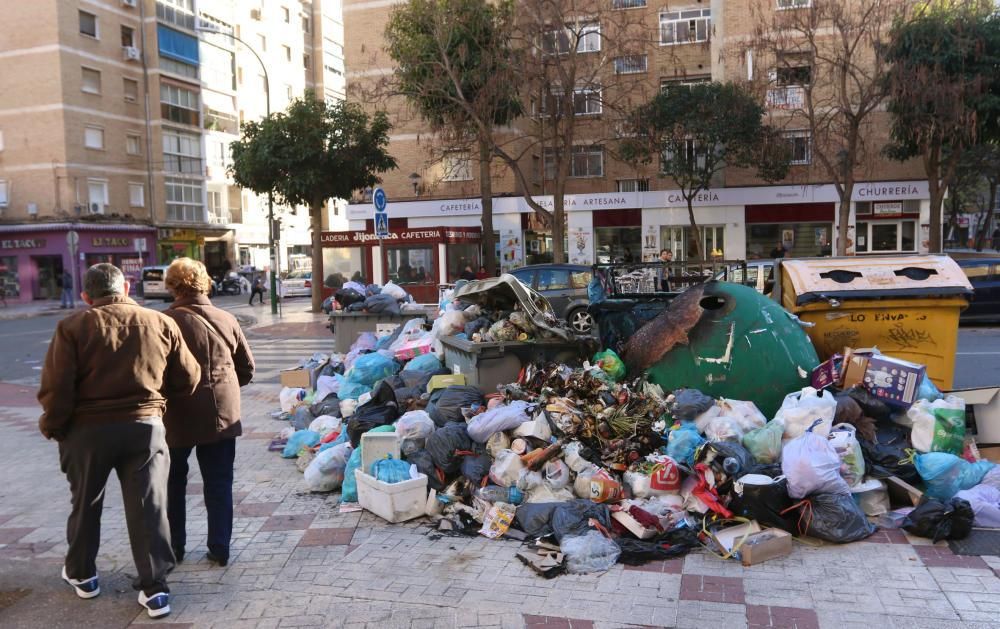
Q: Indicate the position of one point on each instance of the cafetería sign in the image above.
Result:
(414, 235)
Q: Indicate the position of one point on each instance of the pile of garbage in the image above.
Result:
(593, 464)
(353, 296)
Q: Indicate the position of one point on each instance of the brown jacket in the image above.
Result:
(115, 361)
(213, 411)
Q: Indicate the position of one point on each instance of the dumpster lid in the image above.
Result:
(818, 279)
(507, 293)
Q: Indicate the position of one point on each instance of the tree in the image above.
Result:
(309, 153)
(698, 130)
(454, 64)
(975, 186)
(827, 79)
(943, 91)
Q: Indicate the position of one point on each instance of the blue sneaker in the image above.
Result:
(157, 605)
(86, 588)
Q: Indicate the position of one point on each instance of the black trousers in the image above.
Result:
(137, 452)
(254, 293)
(216, 463)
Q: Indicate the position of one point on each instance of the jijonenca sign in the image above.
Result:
(426, 235)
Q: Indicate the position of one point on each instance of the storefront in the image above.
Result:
(618, 235)
(33, 257)
(213, 246)
(804, 230)
(417, 258)
(886, 226)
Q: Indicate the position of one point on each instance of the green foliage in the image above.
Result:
(313, 151)
(695, 131)
(454, 61)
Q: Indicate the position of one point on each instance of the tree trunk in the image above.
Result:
(937, 196)
(984, 229)
(558, 225)
(844, 217)
(316, 227)
(488, 241)
(698, 244)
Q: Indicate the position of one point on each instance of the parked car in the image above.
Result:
(297, 284)
(758, 274)
(153, 286)
(565, 287)
(984, 275)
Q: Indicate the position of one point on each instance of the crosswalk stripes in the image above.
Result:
(273, 355)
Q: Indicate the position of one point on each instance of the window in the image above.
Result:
(286, 15)
(456, 166)
(4, 198)
(885, 236)
(136, 195)
(800, 144)
(179, 68)
(128, 36)
(306, 61)
(91, 81)
(794, 4)
(88, 24)
(586, 102)
(586, 35)
(305, 24)
(288, 53)
(214, 201)
(217, 67)
(1, 140)
(691, 152)
(627, 4)
(793, 75)
(585, 161)
(179, 104)
(263, 42)
(579, 279)
(630, 64)
(97, 195)
(553, 279)
(289, 92)
(668, 84)
(685, 27)
(133, 144)
(179, 12)
(633, 185)
(130, 89)
(219, 153)
(184, 200)
(93, 138)
(181, 151)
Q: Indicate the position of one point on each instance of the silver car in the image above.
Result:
(297, 284)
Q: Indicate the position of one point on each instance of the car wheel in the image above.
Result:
(581, 321)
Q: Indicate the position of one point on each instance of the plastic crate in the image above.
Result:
(394, 502)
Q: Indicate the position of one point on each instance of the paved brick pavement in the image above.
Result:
(297, 562)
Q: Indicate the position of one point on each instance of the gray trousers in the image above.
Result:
(137, 451)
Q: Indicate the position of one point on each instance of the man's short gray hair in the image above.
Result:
(103, 280)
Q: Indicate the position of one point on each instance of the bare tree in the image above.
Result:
(823, 71)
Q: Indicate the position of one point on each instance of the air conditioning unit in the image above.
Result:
(129, 3)
(96, 208)
(255, 14)
(131, 53)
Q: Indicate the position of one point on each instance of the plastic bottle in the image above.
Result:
(495, 493)
(731, 465)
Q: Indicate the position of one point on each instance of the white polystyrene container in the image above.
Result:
(395, 502)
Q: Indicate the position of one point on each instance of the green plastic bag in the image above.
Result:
(764, 443)
(611, 364)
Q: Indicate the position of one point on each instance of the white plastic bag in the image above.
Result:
(326, 471)
(811, 465)
(497, 443)
(415, 425)
(537, 428)
(872, 496)
(844, 440)
(325, 424)
(395, 291)
(290, 397)
(556, 474)
(485, 425)
(590, 552)
(347, 408)
(801, 410)
(449, 324)
(937, 426)
(985, 501)
(506, 468)
(723, 428)
(581, 484)
(571, 454)
(746, 414)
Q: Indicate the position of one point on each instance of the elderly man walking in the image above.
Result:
(107, 376)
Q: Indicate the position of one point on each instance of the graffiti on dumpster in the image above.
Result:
(909, 338)
(840, 337)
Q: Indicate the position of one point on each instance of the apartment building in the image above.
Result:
(115, 121)
(614, 209)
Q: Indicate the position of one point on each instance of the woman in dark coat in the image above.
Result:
(209, 420)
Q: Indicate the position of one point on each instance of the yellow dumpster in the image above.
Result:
(907, 306)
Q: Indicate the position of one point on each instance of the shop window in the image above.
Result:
(618, 244)
(91, 80)
(885, 236)
(411, 265)
(680, 240)
(88, 24)
(800, 146)
(553, 279)
(130, 90)
(685, 27)
(461, 255)
(10, 285)
(136, 195)
(800, 240)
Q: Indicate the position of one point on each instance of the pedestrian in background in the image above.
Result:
(67, 290)
(666, 257)
(258, 289)
(996, 239)
(208, 421)
(108, 374)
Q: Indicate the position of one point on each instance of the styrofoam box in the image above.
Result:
(395, 502)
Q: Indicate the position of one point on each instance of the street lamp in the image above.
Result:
(272, 251)
(415, 180)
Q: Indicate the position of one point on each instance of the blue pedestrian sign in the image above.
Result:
(378, 198)
(381, 225)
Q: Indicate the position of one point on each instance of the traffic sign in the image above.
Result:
(381, 225)
(72, 238)
(378, 198)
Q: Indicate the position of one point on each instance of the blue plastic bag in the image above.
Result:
(424, 362)
(945, 474)
(682, 443)
(928, 391)
(390, 470)
(336, 442)
(349, 490)
(370, 368)
(300, 439)
(352, 390)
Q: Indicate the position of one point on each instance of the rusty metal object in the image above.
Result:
(665, 332)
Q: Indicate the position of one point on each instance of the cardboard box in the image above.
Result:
(983, 405)
(297, 378)
(728, 537)
(853, 368)
(902, 493)
(895, 381)
(445, 380)
(767, 544)
(412, 349)
(632, 525)
(827, 373)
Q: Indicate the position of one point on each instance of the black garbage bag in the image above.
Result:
(446, 404)
(347, 296)
(476, 467)
(331, 369)
(673, 543)
(886, 456)
(447, 446)
(765, 503)
(728, 459)
(871, 406)
(301, 417)
(330, 405)
(535, 518)
(405, 394)
(425, 465)
(835, 518)
(382, 304)
(690, 403)
(380, 410)
(939, 520)
(572, 517)
(358, 306)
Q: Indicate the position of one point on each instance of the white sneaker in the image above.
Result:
(157, 605)
(86, 588)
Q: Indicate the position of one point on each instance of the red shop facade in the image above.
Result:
(417, 258)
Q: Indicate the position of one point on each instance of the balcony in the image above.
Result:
(786, 97)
